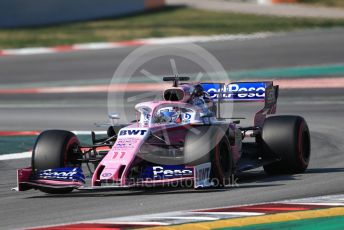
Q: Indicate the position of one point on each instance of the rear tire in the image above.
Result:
(288, 138)
(54, 149)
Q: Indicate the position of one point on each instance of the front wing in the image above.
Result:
(26, 180)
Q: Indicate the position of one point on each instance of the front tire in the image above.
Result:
(55, 149)
(288, 138)
(222, 162)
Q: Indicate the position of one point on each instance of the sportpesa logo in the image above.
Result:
(171, 172)
(237, 91)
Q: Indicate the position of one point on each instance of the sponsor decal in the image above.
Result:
(186, 116)
(270, 96)
(106, 174)
(167, 172)
(132, 132)
(202, 176)
(236, 91)
(121, 146)
(127, 143)
(74, 174)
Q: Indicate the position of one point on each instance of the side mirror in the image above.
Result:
(113, 116)
(236, 122)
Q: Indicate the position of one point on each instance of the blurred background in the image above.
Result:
(57, 59)
(38, 23)
(58, 56)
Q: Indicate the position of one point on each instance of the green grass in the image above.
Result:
(332, 3)
(169, 22)
(323, 223)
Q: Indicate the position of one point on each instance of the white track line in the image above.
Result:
(331, 200)
(14, 156)
(147, 41)
(180, 217)
(185, 217)
(81, 132)
(232, 213)
(129, 222)
(95, 46)
(28, 51)
(24, 155)
(213, 38)
(314, 203)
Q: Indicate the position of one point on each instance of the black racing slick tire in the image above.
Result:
(222, 162)
(287, 138)
(210, 144)
(55, 149)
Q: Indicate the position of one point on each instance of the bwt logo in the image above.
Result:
(132, 132)
(159, 171)
(203, 174)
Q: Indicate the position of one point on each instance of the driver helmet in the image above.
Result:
(168, 116)
(198, 91)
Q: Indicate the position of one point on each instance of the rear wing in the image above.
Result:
(245, 92)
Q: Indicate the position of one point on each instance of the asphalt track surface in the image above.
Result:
(323, 110)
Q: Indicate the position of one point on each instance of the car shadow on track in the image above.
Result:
(250, 179)
(131, 192)
(261, 177)
(150, 191)
(324, 170)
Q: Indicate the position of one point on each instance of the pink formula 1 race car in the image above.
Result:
(181, 139)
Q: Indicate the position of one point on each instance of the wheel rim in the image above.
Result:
(304, 144)
(70, 158)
